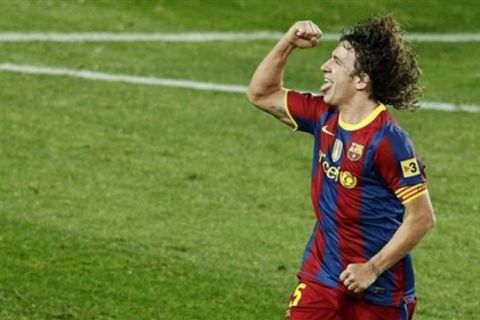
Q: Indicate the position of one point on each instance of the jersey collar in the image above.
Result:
(351, 127)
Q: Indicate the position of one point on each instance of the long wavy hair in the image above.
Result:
(388, 59)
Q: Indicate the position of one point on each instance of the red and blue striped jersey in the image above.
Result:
(362, 175)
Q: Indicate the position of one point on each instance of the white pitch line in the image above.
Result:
(444, 106)
(188, 84)
(94, 75)
(134, 37)
(204, 37)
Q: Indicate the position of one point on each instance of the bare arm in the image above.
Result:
(420, 218)
(265, 90)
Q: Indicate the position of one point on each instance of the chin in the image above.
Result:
(328, 99)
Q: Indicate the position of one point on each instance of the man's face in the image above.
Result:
(339, 86)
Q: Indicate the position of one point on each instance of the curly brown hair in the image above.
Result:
(389, 61)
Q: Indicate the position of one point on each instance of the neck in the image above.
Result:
(357, 110)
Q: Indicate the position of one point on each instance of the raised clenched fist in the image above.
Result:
(303, 34)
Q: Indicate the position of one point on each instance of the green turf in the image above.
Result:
(217, 15)
(199, 61)
(123, 201)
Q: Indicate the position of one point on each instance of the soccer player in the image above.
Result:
(365, 173)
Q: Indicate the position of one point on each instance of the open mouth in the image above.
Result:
(326, 86)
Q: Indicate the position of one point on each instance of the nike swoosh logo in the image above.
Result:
(325, 129)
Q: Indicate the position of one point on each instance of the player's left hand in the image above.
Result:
(358, 276)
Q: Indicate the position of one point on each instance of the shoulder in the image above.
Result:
(391, 129)
(306, 108)
(306, 98)
(394, 132)
(392, 141)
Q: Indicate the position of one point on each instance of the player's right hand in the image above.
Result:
(304, 34)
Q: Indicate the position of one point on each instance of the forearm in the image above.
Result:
(265, 90)
(410, 232)
(268, 76)
(420, 218)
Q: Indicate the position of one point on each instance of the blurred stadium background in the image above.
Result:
(133, 201)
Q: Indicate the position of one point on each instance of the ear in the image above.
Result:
(361, 81)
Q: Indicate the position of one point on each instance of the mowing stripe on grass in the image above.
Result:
(204, 36)
(188, 84)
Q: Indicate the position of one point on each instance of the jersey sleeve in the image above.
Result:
(304, 109)
(399, 166)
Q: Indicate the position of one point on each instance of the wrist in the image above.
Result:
(374, 269)
(287, 41)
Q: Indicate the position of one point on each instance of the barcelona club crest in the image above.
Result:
(355, 151)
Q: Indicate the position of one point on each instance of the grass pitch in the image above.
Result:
(130, 202)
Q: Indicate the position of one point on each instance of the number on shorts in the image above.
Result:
(297, 295)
